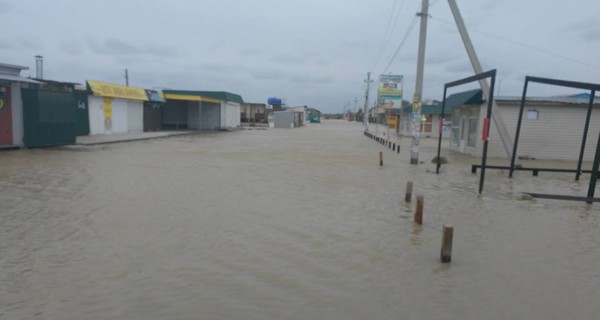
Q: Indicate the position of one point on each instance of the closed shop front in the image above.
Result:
(49, 117)
(115, 108)
(153, 110)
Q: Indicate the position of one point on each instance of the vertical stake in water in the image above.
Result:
(416, 106)
(446, 252)
(419, 211)
(408, 195)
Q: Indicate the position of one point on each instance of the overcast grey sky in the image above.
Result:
(309, 52)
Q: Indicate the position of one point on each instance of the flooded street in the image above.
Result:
(285, 224)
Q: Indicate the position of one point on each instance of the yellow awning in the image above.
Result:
(185, 97)
(110, 90)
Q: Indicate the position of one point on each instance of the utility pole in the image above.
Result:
(355, 108)
(417, 97)
(366, 108)
(506, 140)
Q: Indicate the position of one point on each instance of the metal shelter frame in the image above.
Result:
(594, 172)
(486, 122)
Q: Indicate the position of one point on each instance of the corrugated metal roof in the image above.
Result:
(188, 96)
(219, 95)
(471, 97)
(568, 100)
(223, 95)
(11, 69)
(18, 79)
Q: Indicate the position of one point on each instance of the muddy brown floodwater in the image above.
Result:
(285, 224)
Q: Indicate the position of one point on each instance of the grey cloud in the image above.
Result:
(459, 67)
(322, 62)
(5, 7)
(489, 5)
(295, 59)
(71, 46)
(161, 51)
(19, 44)
(252, 52)
(440, 57)
(114, 46)
(266, 75)
(4, 45)
(289, 59)
(305, 78)
(217, 68)
(587, 29)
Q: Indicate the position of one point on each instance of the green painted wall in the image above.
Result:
(49, 117)
(82, 118)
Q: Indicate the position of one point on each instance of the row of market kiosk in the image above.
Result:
(38, 113)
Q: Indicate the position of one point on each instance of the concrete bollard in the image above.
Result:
(408, 194)
(381, 158)
(419, 211)
(446, 252)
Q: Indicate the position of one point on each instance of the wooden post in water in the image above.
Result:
(446, 252)
(419, 211)
(381, 158)
(408, 195)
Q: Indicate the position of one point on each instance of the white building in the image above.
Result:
(552, 128)
(290, 118)
(115, 108)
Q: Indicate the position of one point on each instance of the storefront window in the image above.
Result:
(473, 119)
(455, 139)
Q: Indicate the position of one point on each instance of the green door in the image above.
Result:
(82, 120)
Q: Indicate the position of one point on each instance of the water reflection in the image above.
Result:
(294, 224)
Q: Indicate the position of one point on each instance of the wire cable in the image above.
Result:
(413, 23)
(388, 31)
(525, 45)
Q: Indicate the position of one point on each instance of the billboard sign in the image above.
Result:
(390, 90)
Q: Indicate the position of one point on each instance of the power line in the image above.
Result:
(389, 35)
(525, 46)
(412, 25)
(388, 31)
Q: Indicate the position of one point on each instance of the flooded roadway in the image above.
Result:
(284, 224)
